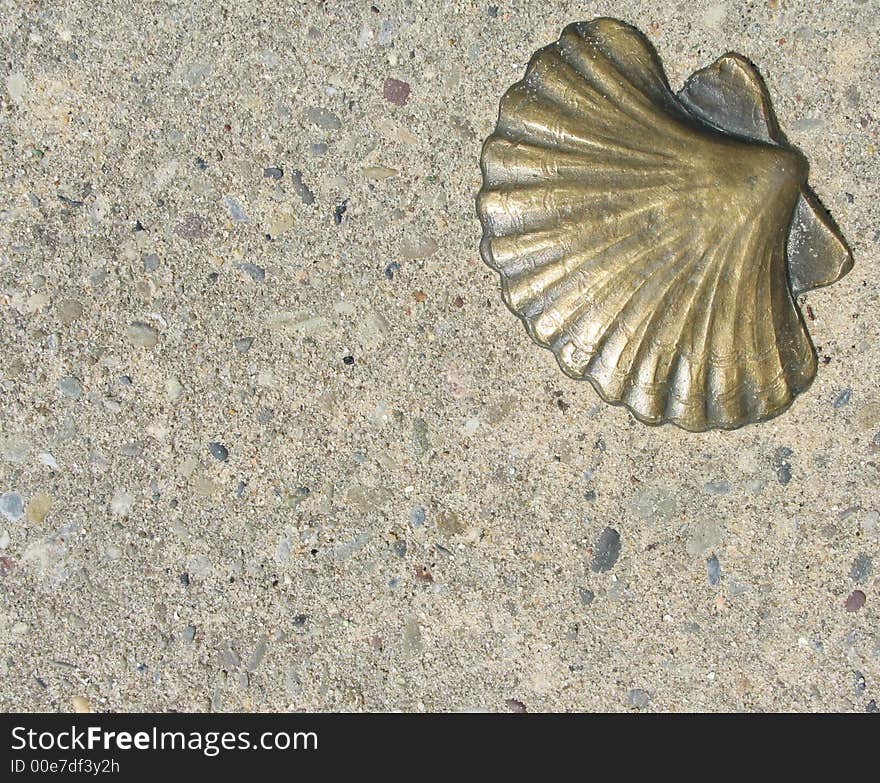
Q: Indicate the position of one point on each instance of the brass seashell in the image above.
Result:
(656, 242)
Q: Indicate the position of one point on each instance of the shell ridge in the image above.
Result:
(584, 253)
(606, 43)
(714, 358)
(598, 263)
(586, 60)
(693, 346)
(597, 294)
(765, 291)
(506, 161)
(580, 127)
(552, 67)
(632, 372)
(644, 349)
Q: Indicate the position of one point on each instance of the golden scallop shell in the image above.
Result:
(656, 242)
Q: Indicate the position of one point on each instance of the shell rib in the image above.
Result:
(648, 239)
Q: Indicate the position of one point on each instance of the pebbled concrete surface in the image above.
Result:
(269, 439)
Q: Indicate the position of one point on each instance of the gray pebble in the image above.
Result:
(189, 633)
(323, 118)
(236, 210)
(243, 344)
(257, 273)
(586, 596)
(151, 262)
(302, 190)
(70, 387)
(258, 654)
(218, 451)
(859, 682)
(843, 398)
(11, 506)
(143, 335)
(420, 441)
(273, 172)
(638, 698)
(861, 569)
(386, 32)
(417, 517)
(70, 310)
(781, 464)
(400, 548)
(720, 487)
(606, 551)
(133, 449)
(713, 571)
(318, 149)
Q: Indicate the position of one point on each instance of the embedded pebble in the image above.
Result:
(323, 118)
(719, 487)
(132, 449)
(421, 444)
(70, 387)
(38, 508)
(386, 32)
(69, 310)
(395, 91)
(301, 189)
(174, 389)
(638, 698)
(417, 517)
(781, 464)
(378, 172)
(861, 569)
(842, 399)
(855, 601)
(449, 523)
(417, 246)
(713, 571)
(11, 506)
(281, 223)
(654, 504)
(151, 262)
(218, 451)
(258, 654)
(606, 551)
(142, 334)
(586, 596)
(257, 273)
(15, 450)
(236, 210)
(121, 503)
(243, 344)
(273, 172)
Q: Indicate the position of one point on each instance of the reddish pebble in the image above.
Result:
(396, 91)
(855, 601)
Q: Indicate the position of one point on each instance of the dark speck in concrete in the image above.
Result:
(606, 551)
(218, 451)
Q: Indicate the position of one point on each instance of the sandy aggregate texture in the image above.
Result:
(270, 440)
